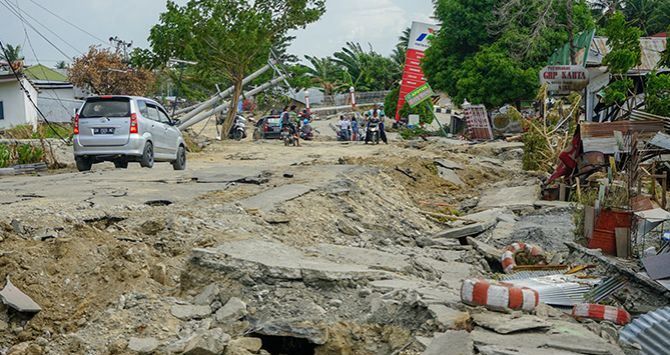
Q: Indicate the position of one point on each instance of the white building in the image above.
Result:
(58, 98)
(15, 107)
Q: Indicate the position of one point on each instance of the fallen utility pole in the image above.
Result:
(222, 95)
(218, 109)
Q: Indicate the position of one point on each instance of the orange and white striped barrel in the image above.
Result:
(507, 259)
(498, 297)
(615, 315)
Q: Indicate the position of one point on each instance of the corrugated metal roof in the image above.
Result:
(522, 275)
(651, 331)
(559, 290)
(652, 47)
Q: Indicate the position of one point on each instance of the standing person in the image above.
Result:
(378, 114)
(354, 129)
(345, 129)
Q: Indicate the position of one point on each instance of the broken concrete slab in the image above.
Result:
(361, 256)
(449, 318)
(270, 199)
(261, 260)
(511, 197)
(501, 350)
(451, 343)
(448, 164)
(13, 297)
(229, 175)
(465, 231)
(499, 214)
(509, 323)
(232, 311)
(188, 312)
(212, 342)
(489, 252)
(449, 176)
(562, 332)
(143, 345)
(207, 296)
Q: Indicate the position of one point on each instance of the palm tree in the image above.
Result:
(606, 7)
(324, 73)
(351, 59)
(13, 53)
(61, 65)
(400, 51)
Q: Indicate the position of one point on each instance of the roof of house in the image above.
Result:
(43, 73)
(652, 48)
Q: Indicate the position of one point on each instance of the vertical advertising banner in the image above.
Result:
(412, 77)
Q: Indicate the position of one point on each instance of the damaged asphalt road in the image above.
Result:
(325, 249)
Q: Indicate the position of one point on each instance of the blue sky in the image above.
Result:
(374, 22)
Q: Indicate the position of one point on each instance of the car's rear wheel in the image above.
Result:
(83, 164)
(180, 163)
(148, 156)
(121, 164)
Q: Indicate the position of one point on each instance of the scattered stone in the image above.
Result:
(424, 242)
(13, 297)
(3, 326)
(449, 176)
(253, 345)
(232, 311)
(288, 175)
(213, 342)
(207, 296)
(17, 226)
(188, 312)
(152, 227)
(44, 234)
(304, 330)
(512, 197)
(335, 303)
(509, 323)
(451, 343)
(450, 318)
(159, 273)
(277, 219)
(347, 229)
(143, 345)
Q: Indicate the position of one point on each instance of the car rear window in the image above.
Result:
(273, 121)
(101, 107)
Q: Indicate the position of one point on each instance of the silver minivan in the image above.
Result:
(124, 129)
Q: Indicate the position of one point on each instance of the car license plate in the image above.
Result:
(108, 130)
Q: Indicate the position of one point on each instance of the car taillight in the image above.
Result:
(76, 124)
(266, 128)
(133, 124)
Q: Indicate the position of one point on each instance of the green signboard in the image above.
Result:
(419, 95)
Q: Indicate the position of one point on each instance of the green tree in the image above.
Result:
(625, 54)
(229, 38)
(491, 51)
(61, 65)
(13, 53)
(424, 110)
(399, 54)
(325, 73)
(657, 94)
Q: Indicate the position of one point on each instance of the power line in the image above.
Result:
(19, 11)
(102, 41)
(18, 78)
(34, 29)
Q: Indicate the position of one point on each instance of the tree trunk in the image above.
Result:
(232, 109)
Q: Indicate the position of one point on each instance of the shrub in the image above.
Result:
(28, 154)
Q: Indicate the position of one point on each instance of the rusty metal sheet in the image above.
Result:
(477, 121)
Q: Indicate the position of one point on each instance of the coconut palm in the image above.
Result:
(325, 73)
(11, 53)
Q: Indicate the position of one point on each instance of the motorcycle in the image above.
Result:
(239, 129)
(288, 137)
(307, 135)
(373, 132)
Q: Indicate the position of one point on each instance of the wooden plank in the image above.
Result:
(589, 221)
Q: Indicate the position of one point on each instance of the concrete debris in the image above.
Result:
(252, 345)
(448, 317)
(449, 176)
(465, 231)
(448, 164)
(451, 343)
(159, 273)
(510, 197)
(143, 345)
(207, 296)
(188, 312)
(509, 323)
(269, 200)
(232, 311)
(212, 342)
(13, 297)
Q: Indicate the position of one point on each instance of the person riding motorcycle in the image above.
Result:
(376, 118)
(306, 131)
(287, 120)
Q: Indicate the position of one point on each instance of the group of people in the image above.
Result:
(349, 127)
(297, 124)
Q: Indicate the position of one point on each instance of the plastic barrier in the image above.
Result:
(498, 297)
(508, 258)
(615, 315)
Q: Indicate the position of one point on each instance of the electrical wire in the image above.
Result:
(18, 78)
(34, 29)
(102, 41)
(32, 49)
(19, 11)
